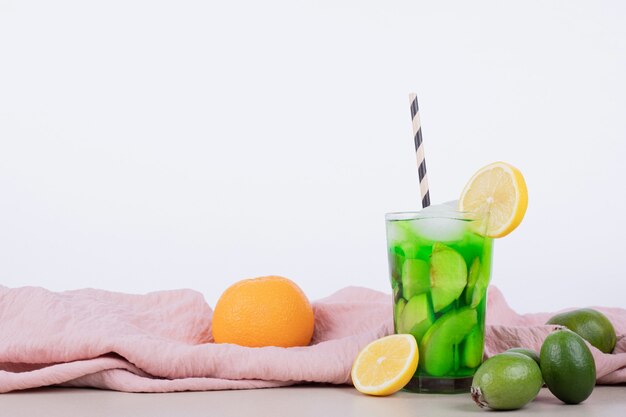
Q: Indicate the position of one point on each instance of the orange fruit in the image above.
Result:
(265, 311)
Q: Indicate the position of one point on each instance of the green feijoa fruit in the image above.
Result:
(448, 275)
(415, 277)
(591, 325)
(567, 366)
(397, 313)
(528, 352)
(437, 347)
(507, 381)
(472, 349)
(416, 316)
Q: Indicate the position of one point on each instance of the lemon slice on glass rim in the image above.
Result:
(386, 365)
(498, 197)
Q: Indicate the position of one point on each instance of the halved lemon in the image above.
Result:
(386, 365)
(497, 194)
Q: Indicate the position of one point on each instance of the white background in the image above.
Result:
(152, 145)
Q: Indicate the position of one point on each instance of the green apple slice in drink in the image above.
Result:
(438, 352)
(415, 278)
(397, 314)
(416, 316)
(472, 351)
(448, 275)
(472, 278)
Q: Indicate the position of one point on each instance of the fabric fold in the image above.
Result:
(161, 341)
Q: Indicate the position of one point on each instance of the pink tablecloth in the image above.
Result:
(161, 342)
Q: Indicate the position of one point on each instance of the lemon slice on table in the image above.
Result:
(386, 365)
(497, 194)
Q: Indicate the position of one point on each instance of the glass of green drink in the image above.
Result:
(440, 269)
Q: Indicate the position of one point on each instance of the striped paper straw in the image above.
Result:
(419, 150)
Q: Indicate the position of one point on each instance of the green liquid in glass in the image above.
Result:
(439, 280)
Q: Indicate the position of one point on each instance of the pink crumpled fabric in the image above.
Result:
(506, 329)
(161, 341)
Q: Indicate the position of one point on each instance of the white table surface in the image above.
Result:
(310, 400)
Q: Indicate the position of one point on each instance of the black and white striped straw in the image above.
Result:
(419, 150)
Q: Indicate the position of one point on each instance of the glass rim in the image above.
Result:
(417, 215)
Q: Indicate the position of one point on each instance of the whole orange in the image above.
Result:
(265, 311)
